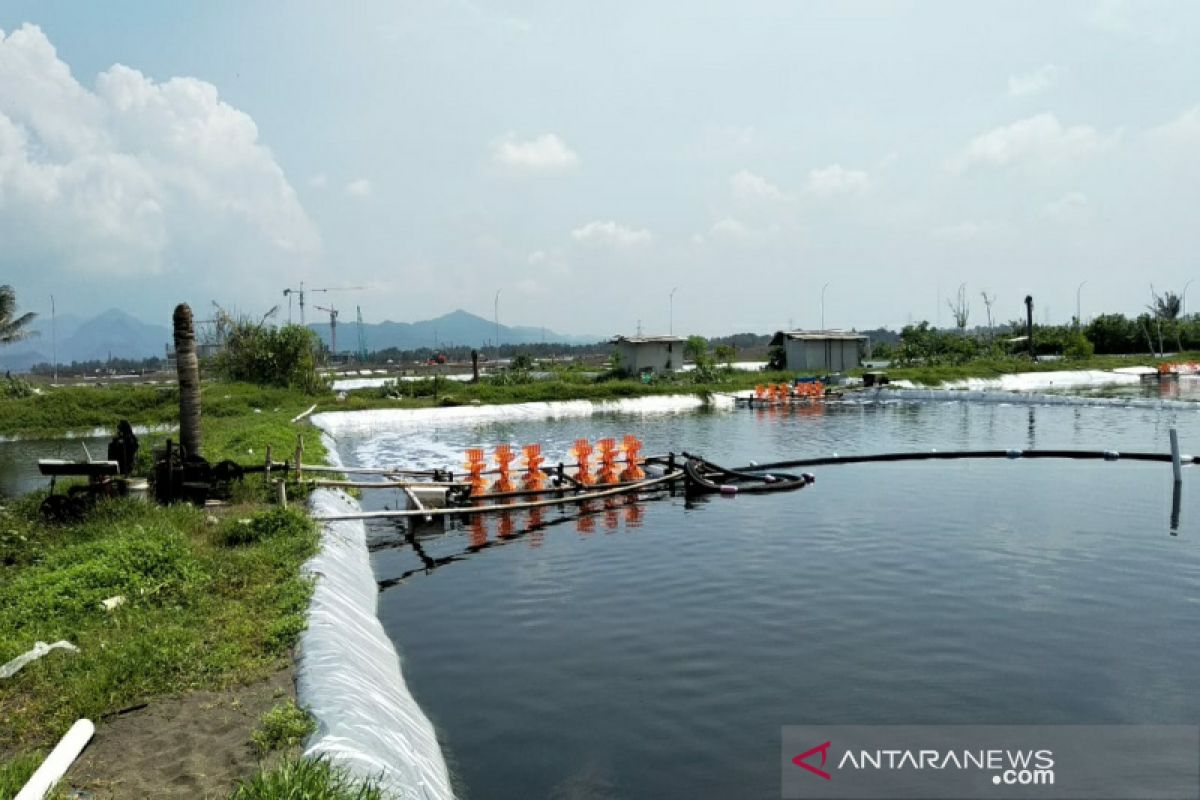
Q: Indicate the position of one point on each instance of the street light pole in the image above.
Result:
(823, 288)
(496, 313)
(1183, 299)
(1078, 312)
(671, 319)
(54, 338)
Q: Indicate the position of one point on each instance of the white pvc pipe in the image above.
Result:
(58, 762)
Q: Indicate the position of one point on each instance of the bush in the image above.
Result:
(262, 526)
(1078, 346)
(268, 356)
(307, 778)
(15, 389)
(285, 725)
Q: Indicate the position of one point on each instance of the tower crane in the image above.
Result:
(302, 291)
(333, 316)
(362, 338)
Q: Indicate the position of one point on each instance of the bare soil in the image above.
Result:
(194, 746)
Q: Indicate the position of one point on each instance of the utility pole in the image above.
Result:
(671, 318)
(496, 313)
(1078, 307)
(54, 337)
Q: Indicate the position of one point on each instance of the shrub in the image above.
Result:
(285, 725)
(15, 389)
(262, 526)
(270, 356)
(308, 778)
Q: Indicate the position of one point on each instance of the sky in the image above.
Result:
(586, 160)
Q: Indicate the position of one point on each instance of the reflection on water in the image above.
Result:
(18, 460)
(504, 528)
(657, 648)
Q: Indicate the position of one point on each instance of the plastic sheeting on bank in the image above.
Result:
(1018, 398)
(337, 423)
(348, 673)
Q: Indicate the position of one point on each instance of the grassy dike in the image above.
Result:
(214, 599)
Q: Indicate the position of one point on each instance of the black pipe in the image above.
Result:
(1104, 455)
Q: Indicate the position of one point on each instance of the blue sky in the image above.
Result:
(585, 159)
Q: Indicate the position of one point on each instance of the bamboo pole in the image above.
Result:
(469, 510)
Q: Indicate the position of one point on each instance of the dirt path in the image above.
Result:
(194, 746)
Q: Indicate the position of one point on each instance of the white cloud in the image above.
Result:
(747, 187)
(319, 181)
(360, 187)
(836, 179)
(545, 153)
(610, 234)
(136, 177)
(965, 231)
(1032, 83)
(1183, 131)
(537, 257)
(1070, 206)
(1111, 15)
(1038, 138)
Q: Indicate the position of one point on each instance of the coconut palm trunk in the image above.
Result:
(187, 368)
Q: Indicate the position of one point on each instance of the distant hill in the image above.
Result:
(456, 328)
(112, 333)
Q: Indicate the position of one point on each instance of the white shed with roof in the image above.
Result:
(656, 354)
(832, 351)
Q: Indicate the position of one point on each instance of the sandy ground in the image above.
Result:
(194, 746)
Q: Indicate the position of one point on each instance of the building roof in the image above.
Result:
(817, 336)
(646, 339)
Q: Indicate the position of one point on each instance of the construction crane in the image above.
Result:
(333, 315)
(362, 338)
(302, 291)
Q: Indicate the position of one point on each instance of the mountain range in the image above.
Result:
(116, 334)
(112, 333)
(456, 328)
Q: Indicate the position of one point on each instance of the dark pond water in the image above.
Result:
(655, 650)
(18, 460)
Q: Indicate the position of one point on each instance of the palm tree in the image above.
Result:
(12, 327)
(1167, 305)
(187, 369)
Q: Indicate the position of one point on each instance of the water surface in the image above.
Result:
(655, 650)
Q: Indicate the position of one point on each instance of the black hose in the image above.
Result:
(1099, 455)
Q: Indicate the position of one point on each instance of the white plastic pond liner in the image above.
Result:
(337, 423)
(1018, 398)
(348, 673)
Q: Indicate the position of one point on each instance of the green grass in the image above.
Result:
(15, 773)
(198, 613)
(285, 725)
(305, 779)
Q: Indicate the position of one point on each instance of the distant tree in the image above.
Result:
(696, 348)
(961, 309)
(724, 354)
(1167, 306)
(12, 327)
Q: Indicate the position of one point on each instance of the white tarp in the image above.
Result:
(337, 423)
(348, 673)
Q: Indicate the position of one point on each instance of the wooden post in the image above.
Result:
(1176, 464)
(299, 455)
(267, 468)
(187, 371)
(281, 493)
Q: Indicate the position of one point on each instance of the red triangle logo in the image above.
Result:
(802, 760)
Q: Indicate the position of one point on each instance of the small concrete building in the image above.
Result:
(656, 354)
(831, 351)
